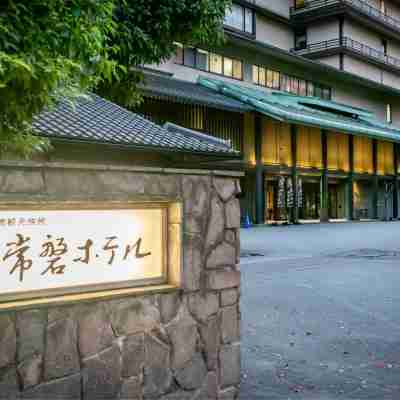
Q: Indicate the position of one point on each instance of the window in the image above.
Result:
(216, 63)
(383, 6)
(266, 77)
(240, 18)
(384, 46)
(389, 113)
(209, 62)
(300, 39)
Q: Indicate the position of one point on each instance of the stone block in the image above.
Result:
(216, 223)
(8, 340)
(22, 181)
(210, 335)
(232, 214)
(134, 315)
(122, 182)
(183, 335)
(223, 279)
(225, 187)
(209, 389)
(192, 374)
(62, 356)
(131, 389)
(230, 324)
(9, 384)
(30, 371)
(224, 255)
(68, 388)
(228, 394)
(102, 375)
(31, 327)
(169, 304)
(162, 185)
(192, 262)
(229, 360)
(203, 305)
(67, 182)
(94, 330)
(157, 372)
(229, 297)
(133, 355)
(196, 195)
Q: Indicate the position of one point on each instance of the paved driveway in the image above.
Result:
(321, 312)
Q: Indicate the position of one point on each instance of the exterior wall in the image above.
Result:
(362, 34)
(333, 61)
(323, 30)
(274, 33)
(361, 68)
(184, 342)
(280, 7)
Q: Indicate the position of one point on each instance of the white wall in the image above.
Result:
(281, 7)
(323, 30)
(274, 33)
(366, 36)
(333, 61)
(362, 69)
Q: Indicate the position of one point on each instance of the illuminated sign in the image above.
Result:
(68, 249)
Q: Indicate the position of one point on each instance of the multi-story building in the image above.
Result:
(309, 92)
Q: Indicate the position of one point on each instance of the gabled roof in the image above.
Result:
(164, 86)
(96, 120)
(307, 110)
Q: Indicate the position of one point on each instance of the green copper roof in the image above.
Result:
(309, 111)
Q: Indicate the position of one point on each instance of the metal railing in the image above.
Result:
(359, 5)
(351, 45)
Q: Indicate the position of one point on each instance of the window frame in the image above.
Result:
(243, 30)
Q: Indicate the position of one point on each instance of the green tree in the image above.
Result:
(52, 49)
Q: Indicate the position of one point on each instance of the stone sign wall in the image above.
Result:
(179, 344)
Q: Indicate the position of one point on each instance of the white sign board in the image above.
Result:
(78, 249)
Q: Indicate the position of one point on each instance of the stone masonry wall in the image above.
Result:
(178, 345)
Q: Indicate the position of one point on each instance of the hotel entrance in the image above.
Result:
(337, 199)
(311, 201)
(276, 199)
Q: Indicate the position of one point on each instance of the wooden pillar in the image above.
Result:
(396, 182)
(324, 211)
(375, 178)
(260, 194)
(350, 182)
(295, 210)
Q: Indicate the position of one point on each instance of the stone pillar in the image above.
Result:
(295, 210)
(324, 211)
(180, 342)
(260, 194)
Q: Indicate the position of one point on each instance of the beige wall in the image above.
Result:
(362, 69)
(323, 30)
(274, 33)
(364, 35)
(280, 7)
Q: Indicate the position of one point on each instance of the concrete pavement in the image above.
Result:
(320, 312)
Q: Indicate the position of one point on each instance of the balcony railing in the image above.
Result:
(352, 46)
(359, 5)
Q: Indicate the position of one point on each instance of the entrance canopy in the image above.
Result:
(306, 110)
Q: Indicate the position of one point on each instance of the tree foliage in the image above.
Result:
(61, 48)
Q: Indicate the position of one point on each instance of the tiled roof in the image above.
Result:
(169, 88)
(97, 120)
(307, 110)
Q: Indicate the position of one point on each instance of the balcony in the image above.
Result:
(370, 16)
(351, 47)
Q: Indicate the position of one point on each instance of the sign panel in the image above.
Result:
(45, 251)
